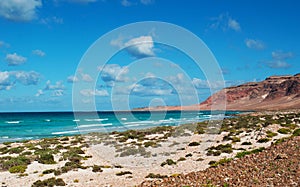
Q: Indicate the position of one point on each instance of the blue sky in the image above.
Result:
(43, 41)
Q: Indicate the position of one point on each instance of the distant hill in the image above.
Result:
(274, 93)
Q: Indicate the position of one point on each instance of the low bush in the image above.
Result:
(17, 169)
(49, 182)
(284, 131)
(194, 144)
(46, 159)
(123, 173)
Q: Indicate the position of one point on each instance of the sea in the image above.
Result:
(36, 125)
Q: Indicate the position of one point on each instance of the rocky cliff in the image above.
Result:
(275, 92)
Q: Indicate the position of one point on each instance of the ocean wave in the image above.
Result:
(64, 132)
(98, 119)
(95, 125)
(124, 119)
(76, 120)
(138, 122)
(13, 122)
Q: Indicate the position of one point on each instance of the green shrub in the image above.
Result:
(49, 183)
(235, 139)
(150, 143)
(97, 168)
(296, 132)
(48, 171)
(244, 153)
(16, 150)
(271, 134)
(17, 169)
(194, 144)
(46, 159)
(15, 161)
(246, 143)
(263, 140)
(123, 173)
(156, 176)
(284, 131)
(220, 162)
(168, 162)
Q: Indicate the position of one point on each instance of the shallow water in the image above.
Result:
(35, 125)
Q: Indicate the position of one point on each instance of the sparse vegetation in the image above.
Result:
(194, 144)
(284, 131)
(123, 173)
(246, 143)
(49, 182)
(156, 176)
(263, 140)
(168, 162)
(97, 168)
(244, 153)
(17, 169)
(296, 132)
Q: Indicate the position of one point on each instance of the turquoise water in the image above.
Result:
(35, 125)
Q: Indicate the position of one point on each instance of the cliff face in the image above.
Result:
(275, 92)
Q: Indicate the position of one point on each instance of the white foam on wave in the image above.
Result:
(13, 122)
(95, 125)
(76, 120)
(139, 122)
(99, 119)
(64, 132)
(124, 119)
(47, 120)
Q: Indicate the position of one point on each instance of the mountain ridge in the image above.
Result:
(273, 93)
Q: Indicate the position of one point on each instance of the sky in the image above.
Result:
(43, 44)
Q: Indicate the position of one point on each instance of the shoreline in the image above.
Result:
(127, 158)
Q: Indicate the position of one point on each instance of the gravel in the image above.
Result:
(278, 165)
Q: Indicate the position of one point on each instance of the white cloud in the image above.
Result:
(112, 73)
(38, 52)
(53, 19)
(139, 47)
(39, 93)
(96, 92)
(57, 86)
(58, 93)
(204, 84)
(86, 77)
(147, 2)
(4, 44)
(82, 1)
(178, 79)
(27, 78)
(280, 55)
(233, 24)
(225, 22)
(9, 78)
(126, 3)
(19, 10)
(15, 59)
(72, 79)
(278, 64)
(279, 59)
(254, 44)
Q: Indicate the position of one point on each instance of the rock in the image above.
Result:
(281, 156)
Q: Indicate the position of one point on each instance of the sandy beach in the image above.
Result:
(131, 157)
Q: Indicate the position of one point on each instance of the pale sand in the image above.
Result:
(138, 165)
